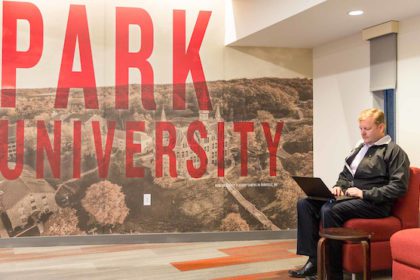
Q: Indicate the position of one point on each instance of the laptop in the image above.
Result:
(315, 188)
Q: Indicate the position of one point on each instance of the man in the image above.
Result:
(375, 173)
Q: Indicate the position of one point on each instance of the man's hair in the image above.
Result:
(377, 114)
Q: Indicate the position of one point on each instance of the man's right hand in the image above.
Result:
(337, 191)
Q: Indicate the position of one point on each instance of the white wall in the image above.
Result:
(408, 93)
(341, 91)
(245, 17)
(254, 62)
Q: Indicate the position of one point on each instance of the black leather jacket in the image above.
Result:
(382, 174)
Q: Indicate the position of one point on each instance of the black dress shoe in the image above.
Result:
(311, 277)
(309, 269)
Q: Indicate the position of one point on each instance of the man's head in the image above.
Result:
(372, 125)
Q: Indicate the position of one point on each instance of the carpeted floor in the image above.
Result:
(243, 260)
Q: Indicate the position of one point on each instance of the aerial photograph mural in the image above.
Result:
(80, 155)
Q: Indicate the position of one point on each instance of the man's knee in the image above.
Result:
(303, 204)
(308, 208)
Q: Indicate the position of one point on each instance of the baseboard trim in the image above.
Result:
(41, 241)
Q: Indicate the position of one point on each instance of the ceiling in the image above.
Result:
(328, 21)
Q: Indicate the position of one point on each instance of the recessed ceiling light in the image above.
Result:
(356, 13)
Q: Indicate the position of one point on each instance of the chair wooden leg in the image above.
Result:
(321, 258)
(366, 259)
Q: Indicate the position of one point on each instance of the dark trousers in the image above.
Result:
(313, 213)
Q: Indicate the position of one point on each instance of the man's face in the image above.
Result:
(370, 131)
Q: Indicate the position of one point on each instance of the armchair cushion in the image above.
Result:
(405, 246)
(382, 229)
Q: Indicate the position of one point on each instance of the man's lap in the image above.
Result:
(347, 209)
(358, 208)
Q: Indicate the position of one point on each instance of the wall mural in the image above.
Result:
(195, 156)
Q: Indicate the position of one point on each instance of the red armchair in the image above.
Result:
(405, 214)
(405, 246)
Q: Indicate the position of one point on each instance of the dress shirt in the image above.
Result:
(358, 158)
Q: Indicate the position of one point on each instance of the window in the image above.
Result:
(389, 110)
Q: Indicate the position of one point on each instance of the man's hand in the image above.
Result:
(354, 192)
(337, 191)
